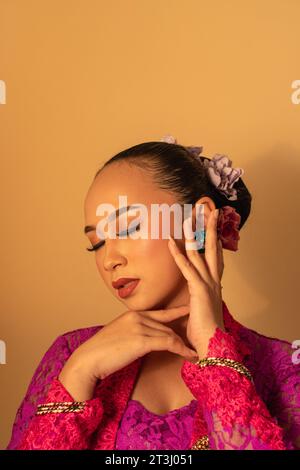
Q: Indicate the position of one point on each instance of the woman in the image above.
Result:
(175, 370)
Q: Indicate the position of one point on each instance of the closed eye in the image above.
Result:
(126, 232)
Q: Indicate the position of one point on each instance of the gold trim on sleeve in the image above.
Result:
(61, 407)
(223, 361)
(201, 444)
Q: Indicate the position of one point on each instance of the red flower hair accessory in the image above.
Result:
(228, 227)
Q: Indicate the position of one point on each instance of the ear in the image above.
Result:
(208, 205)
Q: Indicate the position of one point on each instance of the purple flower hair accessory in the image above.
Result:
(222, 175)
(219, 169)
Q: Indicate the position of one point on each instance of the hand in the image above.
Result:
(203, 272)
(117, 344)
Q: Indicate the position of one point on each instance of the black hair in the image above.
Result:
(174, 168)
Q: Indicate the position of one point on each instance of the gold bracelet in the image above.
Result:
(223, 361)
(201, 444)
(61, 407)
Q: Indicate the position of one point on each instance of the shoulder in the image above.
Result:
(275, 365)
(73, 338)
(55, 357)
(63, 346)
(274, 358)
(264, 353)
(265, 343)
(47, 370)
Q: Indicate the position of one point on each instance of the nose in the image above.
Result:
(111, 264)
(113, 257)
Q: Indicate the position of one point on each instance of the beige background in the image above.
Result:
(86, 79)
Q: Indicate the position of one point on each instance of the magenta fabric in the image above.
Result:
(231, 410)
(141, 429)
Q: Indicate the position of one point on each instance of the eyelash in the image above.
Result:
(98, 245)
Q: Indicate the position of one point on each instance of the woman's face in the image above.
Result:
(161, 283)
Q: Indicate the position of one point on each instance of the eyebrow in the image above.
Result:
(112, 216)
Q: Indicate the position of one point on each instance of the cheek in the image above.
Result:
(156, 260)
(150, 259)
(152, 249)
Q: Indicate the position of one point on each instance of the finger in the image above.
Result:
(220, 259)
(192, 253)
(169, 343)
(212, 252)
(184, 264)
(149, 330)
(156, 325)
(176, 344)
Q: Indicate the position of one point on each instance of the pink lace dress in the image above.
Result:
(233, 412)
(143, 429)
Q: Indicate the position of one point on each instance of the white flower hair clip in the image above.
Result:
(219, 169)
(171, 140)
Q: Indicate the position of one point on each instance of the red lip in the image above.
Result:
(126, 291)
(122, 281)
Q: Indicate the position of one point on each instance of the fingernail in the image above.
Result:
(216, 213)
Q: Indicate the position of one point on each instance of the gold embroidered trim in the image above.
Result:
(201, 444)
(61, 407)
(223, 361)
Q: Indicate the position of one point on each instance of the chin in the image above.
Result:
(144, 303)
